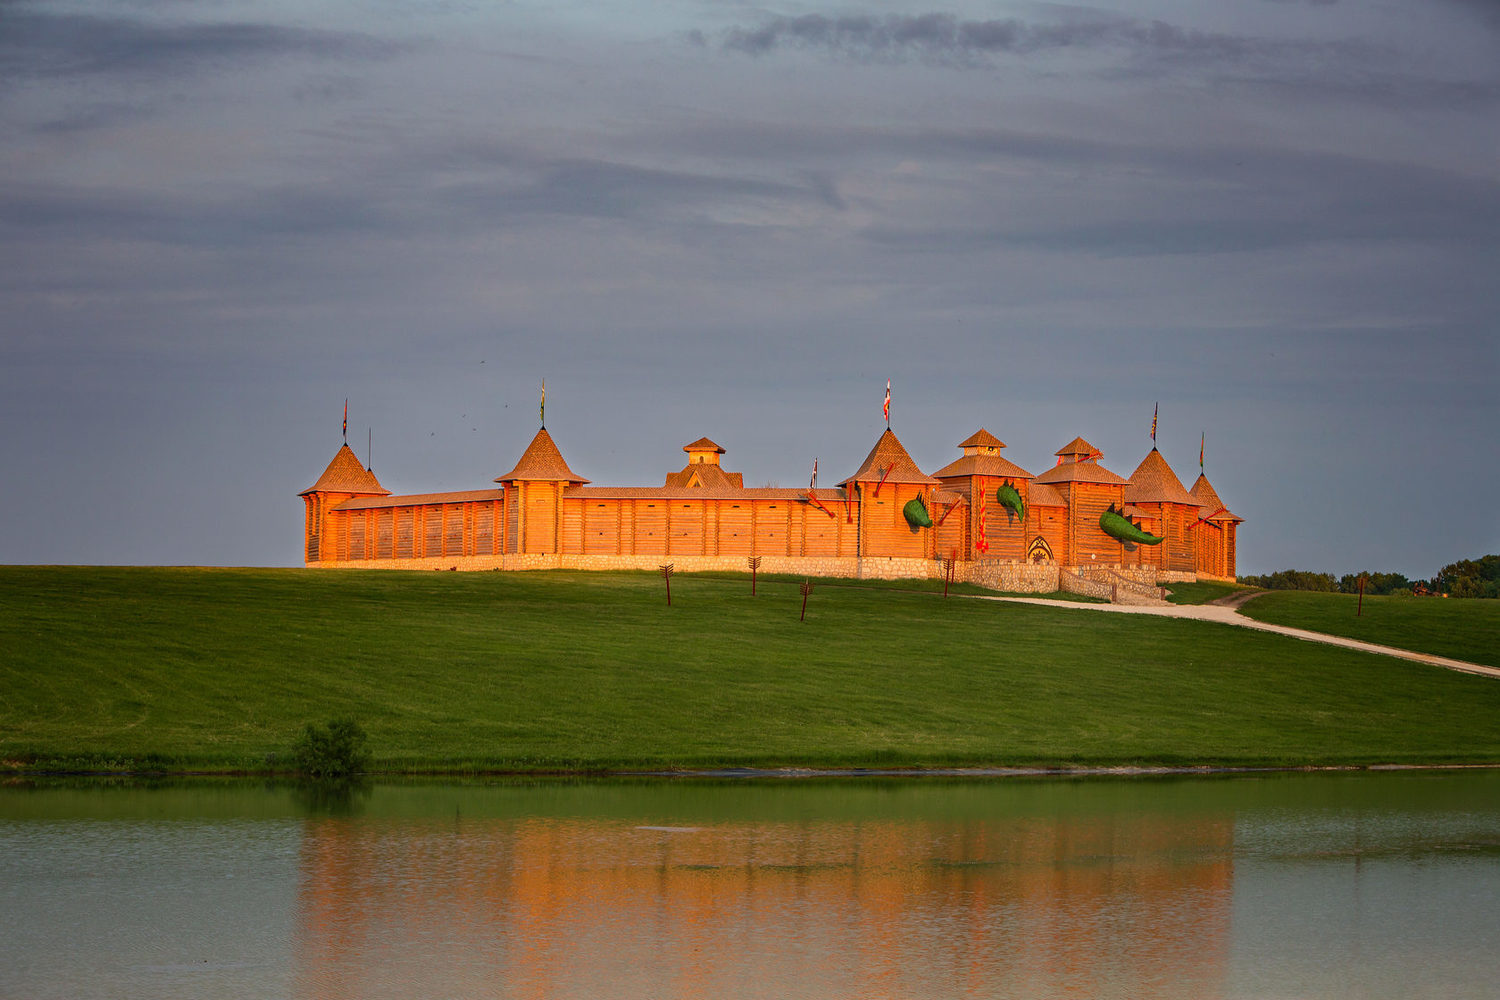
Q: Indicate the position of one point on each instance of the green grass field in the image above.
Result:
(220, 669)
(1461, 629)
(1199, 593)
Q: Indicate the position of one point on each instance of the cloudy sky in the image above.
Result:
(1278, 219)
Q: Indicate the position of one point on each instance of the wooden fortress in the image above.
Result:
(1077, 526)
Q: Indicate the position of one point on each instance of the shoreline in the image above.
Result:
(764, 773)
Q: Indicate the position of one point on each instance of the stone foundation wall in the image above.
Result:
(830, 566)
(1179, 577)
(996, 574)
(1011, 575)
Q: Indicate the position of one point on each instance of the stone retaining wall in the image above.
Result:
(1103, 582)
(1011, 575)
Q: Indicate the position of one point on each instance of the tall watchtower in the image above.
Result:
(343, 480)
(533, 496)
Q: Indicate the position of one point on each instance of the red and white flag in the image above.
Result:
(888, 402)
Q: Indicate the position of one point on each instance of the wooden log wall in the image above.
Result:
(711, 526)
(1051, 524)
(883, 529)
(1090, 543)
(1209, 549)
(1008, 535)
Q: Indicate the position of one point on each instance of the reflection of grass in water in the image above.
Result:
(1461, 629)
(464, 671)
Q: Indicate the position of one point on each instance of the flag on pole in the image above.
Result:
(1201, 442)
(346, 421)
(543, 410)
(1153, 422)
(814, 484)
(887, 403)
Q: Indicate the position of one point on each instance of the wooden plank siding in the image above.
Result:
(1089, 542)
(883, 528)
(736, 528)
(685, 529)
(1008, 535)
(822, 533)
(600, 528)
(771, 528)
(649, 518)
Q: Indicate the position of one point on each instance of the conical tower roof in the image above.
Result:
(981, 439)
(888, 460)
(1079, 450)
(1213, 508)
(541, 461)
(703, 444)
(981, 457)
(1083, 467)
(345, 475)
(1153, 481)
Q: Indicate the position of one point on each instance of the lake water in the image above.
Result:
(1342, 885)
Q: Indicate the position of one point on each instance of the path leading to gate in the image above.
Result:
(1227, 614)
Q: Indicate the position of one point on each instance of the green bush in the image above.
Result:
(334, 751)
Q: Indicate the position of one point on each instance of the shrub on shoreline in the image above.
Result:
(337, 750)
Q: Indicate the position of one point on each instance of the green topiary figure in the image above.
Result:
(915, 512)
(1008, 496)
(1117, 525)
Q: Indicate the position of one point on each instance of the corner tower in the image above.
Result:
(343, 480)
(1215, 532)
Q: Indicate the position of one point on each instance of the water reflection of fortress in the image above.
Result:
(1006, 527)
(580, 908)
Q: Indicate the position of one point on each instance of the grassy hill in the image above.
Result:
(220, 669)
(1461, 629)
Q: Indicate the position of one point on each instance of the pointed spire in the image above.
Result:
(345, 475)
(1153, 481)
(889, 461)
(541, 462)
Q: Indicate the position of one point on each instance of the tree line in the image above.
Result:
(1465, 578)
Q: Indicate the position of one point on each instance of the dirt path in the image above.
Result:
(1227, 614)
(1236, 600)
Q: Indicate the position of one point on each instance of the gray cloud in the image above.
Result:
(1298, 68)
(944, 38)
(42, 43)
(59, 211)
